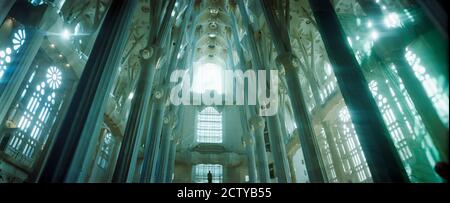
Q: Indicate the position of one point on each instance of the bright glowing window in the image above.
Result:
(406, 128)
(54, 77)
(438, 96)
(36, 2)
(5, 59)
(209, 126)
(19, 39)
(351, 148)
(7, 54)
(392, 20)
(106, 148)
(39, 108)
(326, 154)
(329, 83)
(208, 76)
(391, 121)
(201, 173)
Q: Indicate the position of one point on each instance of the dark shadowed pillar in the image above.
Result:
(381, 155)
(257, 125)
(92, 91)
(281, 41)
(392, 48)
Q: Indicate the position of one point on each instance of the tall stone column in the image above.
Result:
(87, 110)
(154, 136)
(163, 158)
(82, 173)
(275, 134)
(153, 153)
(286, 58)
(139, 117)
(282, 112)
(257, 125)
(166, 168)
(171, 161)
(131, 159)
(382, 157)
(249, 144)
(278, 149)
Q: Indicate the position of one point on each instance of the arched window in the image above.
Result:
(437, 94)
(392, 122)
(7, 54)
(209, 126)
(201, 173)
(325, 150)
(39, 104)
(354, 162)
(411, 140)
(105, 152)
(328, 84)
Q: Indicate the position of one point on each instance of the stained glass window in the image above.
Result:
(438, 96)
(39, 106)
(7, 54)
(201, 173)
(350, 148)
(105, 150)
(209, 126)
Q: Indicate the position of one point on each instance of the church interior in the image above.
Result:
(86, 91)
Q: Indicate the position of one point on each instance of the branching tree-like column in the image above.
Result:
(381, 155)
(169, 124)
(154, 135)
(273, 122)
(138, 119)
(172, 156)
(152, 149)
(257, 126)
(97, 79)
(290, 65)
(278, 149)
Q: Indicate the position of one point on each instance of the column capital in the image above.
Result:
(288, 62)
(256, 122)
(146, 53)
(176, 138)
(159, 93)
(247, 140)
(170, 119)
